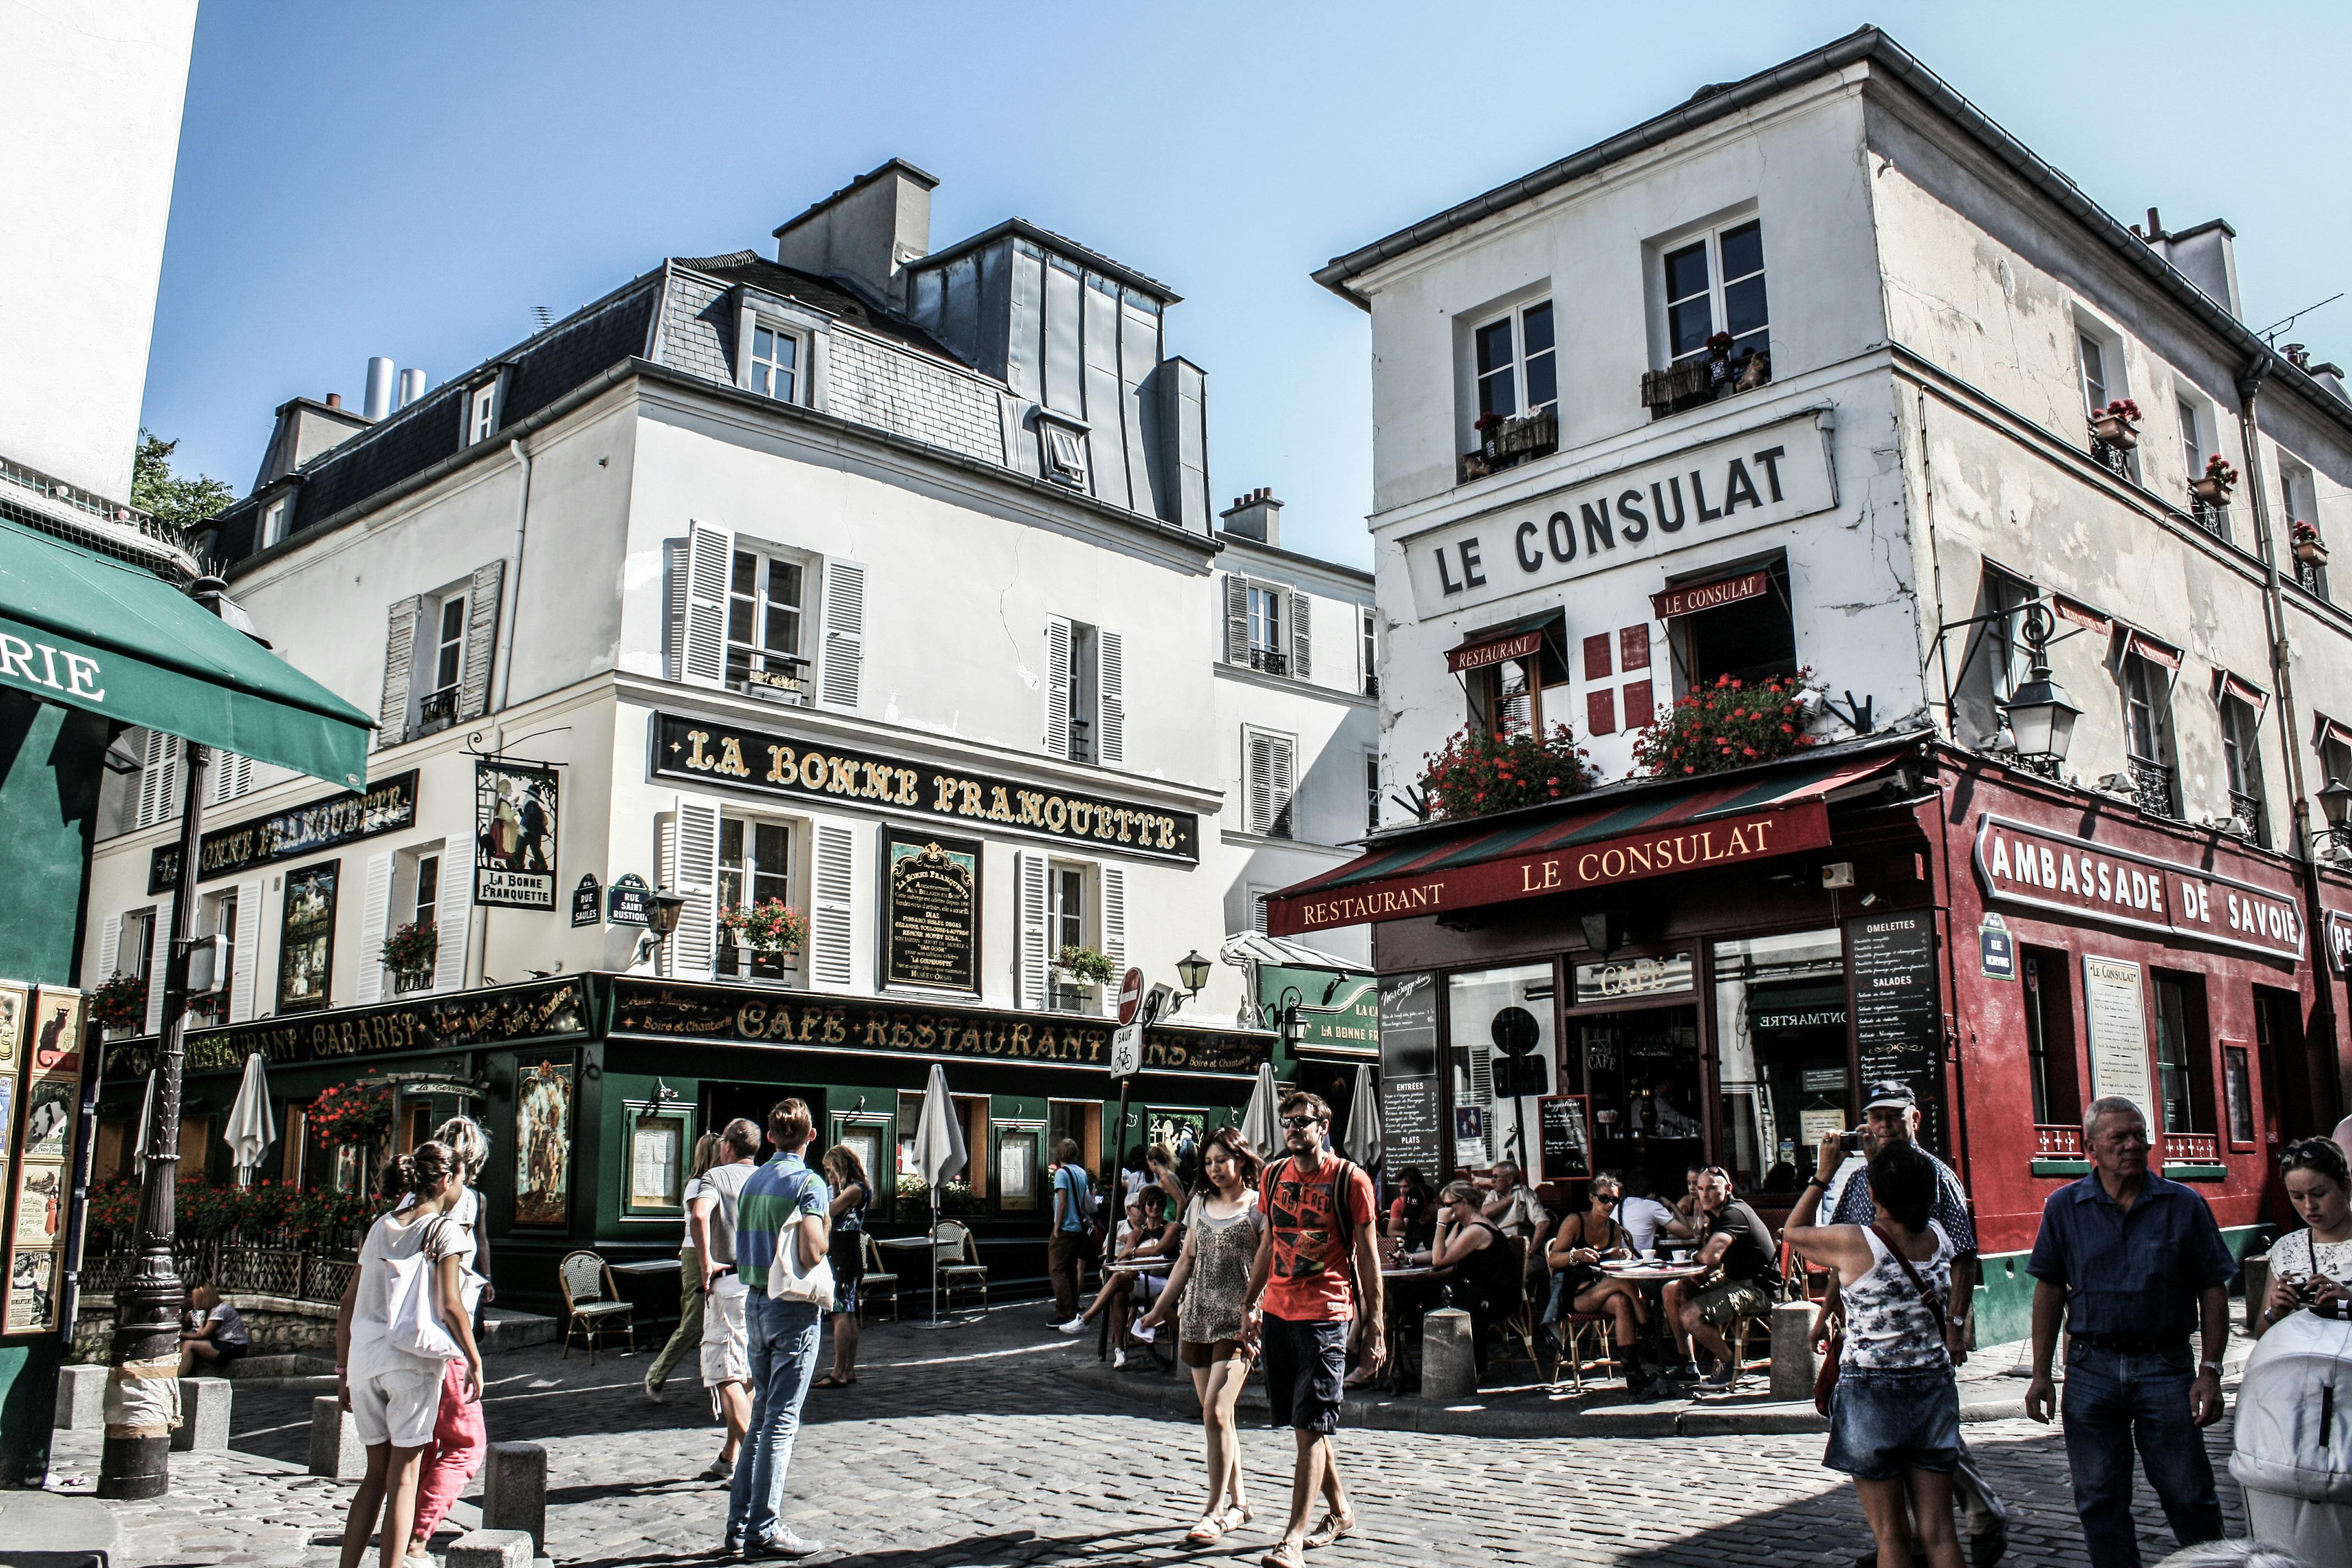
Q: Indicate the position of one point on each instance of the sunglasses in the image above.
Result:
(1299, 1123)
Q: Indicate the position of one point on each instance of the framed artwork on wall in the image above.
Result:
(544, 1091)
(306, 947)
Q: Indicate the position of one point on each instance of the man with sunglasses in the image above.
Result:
(1318, 1255)
(1743, 1274)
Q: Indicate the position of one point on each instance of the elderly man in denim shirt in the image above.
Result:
(2132, 1263)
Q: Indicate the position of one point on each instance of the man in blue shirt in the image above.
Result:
(783, 1334)
(2132, 1263)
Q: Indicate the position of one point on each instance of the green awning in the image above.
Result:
(87, 631)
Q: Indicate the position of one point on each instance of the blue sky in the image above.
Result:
(410, 180)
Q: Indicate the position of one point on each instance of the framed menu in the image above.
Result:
(1410, 1126)
(1566, 1121)
(2118, 1023)
(657, 1142)
(930, 911)
(1898, 1019)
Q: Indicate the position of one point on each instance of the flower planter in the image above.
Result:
(2116, 431)
(2311, 552)
(2212, 492)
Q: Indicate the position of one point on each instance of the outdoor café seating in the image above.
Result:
(1586, 1343)
(959, 1263)
(878, 1282)
(592, 1302)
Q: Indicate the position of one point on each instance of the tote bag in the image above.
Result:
(788, 1280)
(412, 1298)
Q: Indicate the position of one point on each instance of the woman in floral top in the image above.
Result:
(2314, 1265)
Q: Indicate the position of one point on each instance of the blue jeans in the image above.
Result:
(2114, 1403)
(783, 1337)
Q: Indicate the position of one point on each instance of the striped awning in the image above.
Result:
(1637, 832)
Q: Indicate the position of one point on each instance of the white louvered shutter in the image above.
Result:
(1302, 636)
(1057, 687)
(109, 951)
(1114, 931)
(453, 912)
(1111, 680)
(399, 662)
(375, 920)
(709, 557)
(1269, 783)
(833, 915)
(692, 951)
(159, 779)
(1237, 618)
(673, 568)
(482, 639)
(247, 956)
(1031, 972)
(845, 634)
(159, 958)
(229, 777)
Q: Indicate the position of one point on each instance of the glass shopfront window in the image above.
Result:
(1638, 1069)
(1781, 1054)
(1490, 1012)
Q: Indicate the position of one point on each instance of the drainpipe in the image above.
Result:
(478, 959)
(2289, 725)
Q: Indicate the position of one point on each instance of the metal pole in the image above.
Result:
(134, 1462)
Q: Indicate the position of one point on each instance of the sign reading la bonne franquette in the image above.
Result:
(1650, 509)
(387, 806)
(2020, 864)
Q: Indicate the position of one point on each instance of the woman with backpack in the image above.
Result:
(402, 1318)
(1895, 1413)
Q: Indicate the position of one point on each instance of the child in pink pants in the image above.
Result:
(454, 1458)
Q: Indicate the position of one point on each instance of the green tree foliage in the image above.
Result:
(178, 502)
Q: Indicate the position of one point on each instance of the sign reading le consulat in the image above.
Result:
(713, 751)
(387, 806)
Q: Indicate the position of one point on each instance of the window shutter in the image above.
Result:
(710, 556)
(1030, 971)
(1269, 784)
(248, 938)
(1302, 638)
(1257, 910)
(674, 567)
(693, 949)
(844, 633)
(832, 928)
(453, 913)
(229, 777)
(1257, 782)
(399, 657)
(109, 951)
(375, 918)
(1237, 618)
(1111, 679)
(482, 639)
(1114, 931)
(160, 956)
(1057, 687)
(158, 780)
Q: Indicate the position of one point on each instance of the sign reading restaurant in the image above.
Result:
(2018, 863)
(1770, 476)
(714, 752)
(388, 805)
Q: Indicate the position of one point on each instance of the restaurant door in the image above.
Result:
(722, 1102)
(1639, 1070)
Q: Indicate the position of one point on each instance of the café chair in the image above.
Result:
(877, 1282)
(1588, 1343)
(959, 1263)
(590, 1302)
(1518, 1326)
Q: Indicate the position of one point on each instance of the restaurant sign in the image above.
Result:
(535, 1010)
(1500, 650)
(387, 806)
(742, 1016)
(1697, 596)
(2020, 864)
(1686, 847)
(1339, 1010)
(2339, 941)
(930, 911)
(713, 751)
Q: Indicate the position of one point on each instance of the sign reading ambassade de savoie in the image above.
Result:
(2018, 863)
(713, 751)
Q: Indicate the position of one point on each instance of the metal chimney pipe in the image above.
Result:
(378, 402)
(412, 387)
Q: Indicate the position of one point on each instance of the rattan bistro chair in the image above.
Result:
(1517, 1327)
(1587, 1342)
(878, 1280)
(959, 1263)
(592, 1302)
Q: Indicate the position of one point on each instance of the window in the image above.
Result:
(2183, 1071)
(2334, 759)
(2238, 1089)
(420, 906)
(2050, 1037)
(482, 412)
(2192, 440)
(134, 954)
(1085, 668)
(2241, 763)
(224, 925)
(764, 607)
(1269, 779)
(1751, 640)
(1065, 927)
(755, 865)
(1997, 659)
(445, 663)
(2147, 732)
(2096, 395)
(1266, 645)
(273, 521)
(1715, 283)
(775, 362)
(1517, 371)
(1371, 792)
(1500, 701)
(2299, 496)
(1065, 455)
(1369, 653)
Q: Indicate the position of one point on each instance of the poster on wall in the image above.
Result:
(31, 1292)
(543, 1143)
(54, 1033)
(514, 835)
(16, 1004)
(931, 913)
(40, 1206)
(306, 943)
(48, 1116)
(2118, 1023)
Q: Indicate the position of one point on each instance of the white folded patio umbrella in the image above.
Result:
(1363, 1140)
(940, 1154)
(250, 1133)
(146, 1109)
(1260, 1129)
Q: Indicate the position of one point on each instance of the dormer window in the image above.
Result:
(484, 408)
(1065, 455)
(273, 521)
(775, 362)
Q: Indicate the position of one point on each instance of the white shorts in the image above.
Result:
(396, 1407)
(726, 1336)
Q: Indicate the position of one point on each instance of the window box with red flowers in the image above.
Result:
(353, 1114)
(2117, 423)
(410, 953)
(2213, 487)
(2305, 539)
(120, 1003)
(1730, 725)
(1479, 772)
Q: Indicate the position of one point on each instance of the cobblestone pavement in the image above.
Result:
(974, 1446)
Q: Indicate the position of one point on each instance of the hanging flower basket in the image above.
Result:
(771, 927)
(1478, 773)
(409, 953)
(2117, 423)
(350, 1114)
(1727, 725)
(1084, 964)
(119, 1003)
(2306, 545)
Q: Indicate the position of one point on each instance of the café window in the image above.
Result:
(1716, 284)
(1749, 641)
(755, 865)
(1783, 1070)
(1501, 702)
(2184, 1067)
(1998, 658)
(1631, 1057)
(766, 605)
(2050, 1039)
(1080, 1121)
(1503, 1058)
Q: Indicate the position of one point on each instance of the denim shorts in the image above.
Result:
(1305, 1363)
(1885, 1423)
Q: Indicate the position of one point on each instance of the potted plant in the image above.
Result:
(356, 1114)
(1479, 772)
(2214, 486)
(1084, 964)
(409, 953)
(2117, 423)
(2306, 545)
(1727, 725)
(119, 1003)
(769, 927)
(1489, 442)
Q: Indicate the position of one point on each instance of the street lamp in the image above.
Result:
(1193, 971)
(662, 909)
(2039, 712)
(2335, 800)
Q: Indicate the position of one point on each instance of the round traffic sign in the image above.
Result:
(1130, 996)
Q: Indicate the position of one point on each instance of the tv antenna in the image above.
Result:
(2270, 334)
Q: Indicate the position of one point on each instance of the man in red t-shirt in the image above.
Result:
(1315, 1257)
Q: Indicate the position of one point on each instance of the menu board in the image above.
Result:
(1409, 1105)
(1899, 1022)
(931, 917)
(2118, 1021)
(1567, 1137)
(41, 1105)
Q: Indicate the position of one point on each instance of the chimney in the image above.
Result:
(334, 400)
(864, 233)
(378, 402)
(412, 387)
(2206, 254)
(1256, 515)
(304, 429)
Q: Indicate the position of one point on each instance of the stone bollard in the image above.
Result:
(82, 1398)
(203, 1415)
(336, 1450)
(1795, 1363)
(514, 1492)
(491, 1548)
(1448, 1368)
(2257, 1270)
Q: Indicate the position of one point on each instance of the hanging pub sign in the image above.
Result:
(514, 835)
(538, 1009)
(930, 911)
(2018, 863)
(625, 901)
(387, 806)
(305, 938)
(587, 902)
(706, 752)
(1691, 599)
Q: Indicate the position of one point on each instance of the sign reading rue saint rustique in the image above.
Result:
(387, 806)
(712, 752)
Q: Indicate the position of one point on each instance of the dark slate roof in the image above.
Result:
(1039, 235)
(749, 267)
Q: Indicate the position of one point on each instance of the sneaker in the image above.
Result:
(721, 1469)
(1077, 1325)
(784, 1543)
(1117, 1361)
(1146, 1334)
(1721, 1379)
(1687, 1374)
(653, 1391)
(731, 1545)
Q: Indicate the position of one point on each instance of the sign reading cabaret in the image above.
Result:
(527, 1012)
(708, 751)
(1632, 513)
(387, 806)
(733, 1015)
(2020, 864)
(1721, 841)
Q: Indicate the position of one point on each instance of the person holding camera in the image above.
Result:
(2313, 1266)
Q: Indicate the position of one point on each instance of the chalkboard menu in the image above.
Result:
(1409, 1108)
(1899, 1022)
(930, 921)
(1567, 1137)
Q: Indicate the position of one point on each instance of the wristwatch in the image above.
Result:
(2213, 1366)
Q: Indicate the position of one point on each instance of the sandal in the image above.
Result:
(1205, 1533)
(829, 1381)
(1286, 1555)
(1244, 1512)
(1332, 1528)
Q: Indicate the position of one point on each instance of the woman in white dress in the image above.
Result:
(2314, 1265)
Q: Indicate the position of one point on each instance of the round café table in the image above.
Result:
(1651, 1280)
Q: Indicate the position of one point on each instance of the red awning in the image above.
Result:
(2227, 684)
(2155, 652)
(1522, 638)
(2080, 613)
(1642, 830)
(2331, 731)
(1693, 597)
